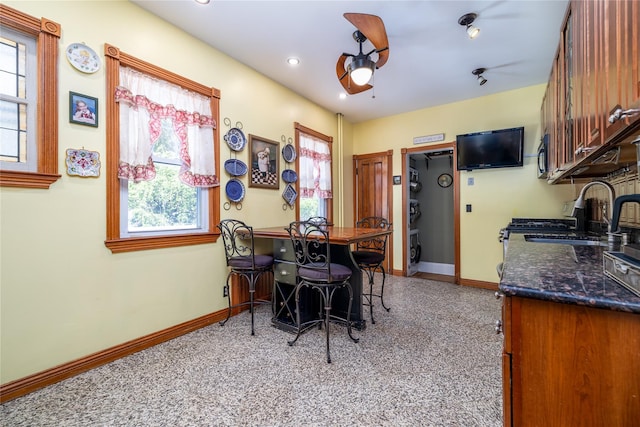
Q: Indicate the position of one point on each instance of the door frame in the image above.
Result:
(389, 182)
(406, 152)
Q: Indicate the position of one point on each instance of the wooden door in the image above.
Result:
(372, 191)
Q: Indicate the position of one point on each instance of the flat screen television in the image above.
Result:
(501, 148)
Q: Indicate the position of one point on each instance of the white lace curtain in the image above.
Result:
(315, 167)
(144, 102)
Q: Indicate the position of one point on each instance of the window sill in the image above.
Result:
(146, 243)
(27, 179)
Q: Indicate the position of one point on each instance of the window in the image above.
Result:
(315, 178)
(162, 190)
(28, 55)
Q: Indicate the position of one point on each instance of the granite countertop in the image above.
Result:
(563, 273)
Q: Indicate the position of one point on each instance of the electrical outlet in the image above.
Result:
(225, 291)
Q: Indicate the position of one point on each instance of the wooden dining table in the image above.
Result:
(341, 240)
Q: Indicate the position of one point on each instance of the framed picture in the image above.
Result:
(264, 158)
(83, 109)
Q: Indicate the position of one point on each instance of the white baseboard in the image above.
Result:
(436, 268)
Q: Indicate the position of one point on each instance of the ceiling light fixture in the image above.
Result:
(293, 61)
(361, 69)
(466, 21)
(478, 72)
(203, 1)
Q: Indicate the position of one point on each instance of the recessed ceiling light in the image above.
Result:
(293, 60)
(202, 1)
(342, 95)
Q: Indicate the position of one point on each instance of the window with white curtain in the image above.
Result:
(315, 179)
(166, 156)
(162, 153)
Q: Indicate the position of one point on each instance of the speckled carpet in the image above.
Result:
(433, 360)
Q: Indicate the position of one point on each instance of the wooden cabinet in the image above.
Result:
(569, 365)
(594, 74)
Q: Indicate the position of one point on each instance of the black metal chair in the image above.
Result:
(315, 270)
(243, 261)
(370, 256)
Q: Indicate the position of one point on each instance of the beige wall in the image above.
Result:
(497, 195)
(64, 295)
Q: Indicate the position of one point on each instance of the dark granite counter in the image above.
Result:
(563, 273)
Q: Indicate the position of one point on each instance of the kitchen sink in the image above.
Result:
(564, 239)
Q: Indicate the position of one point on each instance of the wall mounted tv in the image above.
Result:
(490, 149)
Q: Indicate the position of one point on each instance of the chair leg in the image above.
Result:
(228, 301)
(328, 297)
(252, 292)
(297, 297)
(382, 289)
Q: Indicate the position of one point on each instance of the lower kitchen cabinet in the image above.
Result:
(569, 365)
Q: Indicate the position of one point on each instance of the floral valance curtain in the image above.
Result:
(315, 167)
(144, 102)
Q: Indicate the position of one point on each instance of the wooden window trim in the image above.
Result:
(47, 34)
(329, 140)
(114, 58)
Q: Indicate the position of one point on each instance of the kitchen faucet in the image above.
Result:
(579, 203)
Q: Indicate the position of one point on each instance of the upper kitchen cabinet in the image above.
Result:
(622, 78)
(594, 88)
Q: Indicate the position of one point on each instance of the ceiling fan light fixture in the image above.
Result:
(361, 70)
(466, 20)
(478, 72)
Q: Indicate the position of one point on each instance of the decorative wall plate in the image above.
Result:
(289, 176)
(289, 153)
(83, 58)
(83, 163)
(235, 167)
(235, 190)
(235, 139)
(290, 194)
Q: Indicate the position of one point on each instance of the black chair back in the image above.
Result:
(238, 244)
(312, 251)
(376, 244)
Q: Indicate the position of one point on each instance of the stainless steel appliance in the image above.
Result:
(543, 157)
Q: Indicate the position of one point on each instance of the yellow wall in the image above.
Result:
(64, 295)
(497, 195)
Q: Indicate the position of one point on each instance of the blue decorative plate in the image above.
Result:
(289, 176)
(235, 139)
(289, 153)
(235, 190)
(289, 194)
(235, 167)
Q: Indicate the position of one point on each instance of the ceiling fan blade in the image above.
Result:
(343, 75)
(373, 28)
(382, 57)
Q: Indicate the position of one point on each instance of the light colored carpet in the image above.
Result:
(433, 360)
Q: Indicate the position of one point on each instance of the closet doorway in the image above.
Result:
(431, 218)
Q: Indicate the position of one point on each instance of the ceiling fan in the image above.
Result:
(356, 75)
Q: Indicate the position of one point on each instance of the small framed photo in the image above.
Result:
(83, 109)
(264, 158)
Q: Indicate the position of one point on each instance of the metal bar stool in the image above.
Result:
(315, 270)
(242, 260)
(370, 256)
